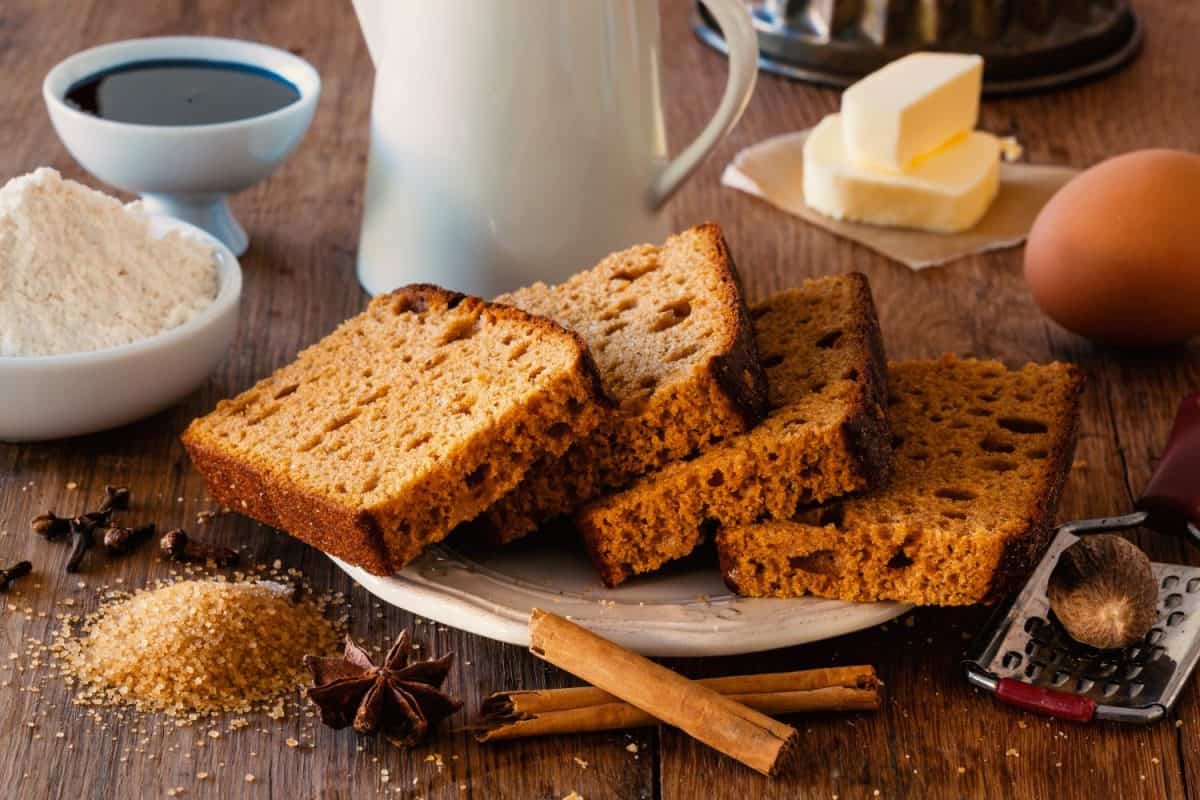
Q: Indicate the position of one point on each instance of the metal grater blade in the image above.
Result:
(1136, 684)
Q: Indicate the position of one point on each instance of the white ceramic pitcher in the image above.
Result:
(522, 140)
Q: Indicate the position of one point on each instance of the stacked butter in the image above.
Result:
(903, 152)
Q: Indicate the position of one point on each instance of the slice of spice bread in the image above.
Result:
(981, 456)
(670, 333)
(824, 436)
(408, 419)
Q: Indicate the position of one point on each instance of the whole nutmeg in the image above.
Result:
(1103, 592)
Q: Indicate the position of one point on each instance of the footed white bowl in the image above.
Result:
(184, 171)
(51, 397)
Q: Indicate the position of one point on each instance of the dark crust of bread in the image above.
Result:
(1023, 551)
(350, 534)
(738, 370)
(868, 435)
(305, 515)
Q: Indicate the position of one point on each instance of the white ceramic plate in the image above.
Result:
(685, 611)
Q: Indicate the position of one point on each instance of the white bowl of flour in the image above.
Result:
(107, 314)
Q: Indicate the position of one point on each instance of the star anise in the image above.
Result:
(401, 700)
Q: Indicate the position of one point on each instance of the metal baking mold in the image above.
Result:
(1027, 46)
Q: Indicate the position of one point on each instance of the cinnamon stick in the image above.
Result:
(520, 714)
(740, 732)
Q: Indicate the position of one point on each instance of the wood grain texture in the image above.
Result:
(935, 736)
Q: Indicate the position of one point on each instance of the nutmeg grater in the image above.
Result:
(1027, 659)
(1027, 45)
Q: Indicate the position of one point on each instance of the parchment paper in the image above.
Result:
(774, 171)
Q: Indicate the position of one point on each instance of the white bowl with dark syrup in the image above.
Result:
(183, 121)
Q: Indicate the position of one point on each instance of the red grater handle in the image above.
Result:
(1045, 701)
(1173, 493)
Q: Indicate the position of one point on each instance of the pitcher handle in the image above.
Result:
(734, 18)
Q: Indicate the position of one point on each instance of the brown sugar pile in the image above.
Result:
(197, 647)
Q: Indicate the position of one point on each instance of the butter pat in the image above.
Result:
(946, 192)
(911, 107)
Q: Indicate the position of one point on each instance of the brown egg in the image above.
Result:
(1115, 254)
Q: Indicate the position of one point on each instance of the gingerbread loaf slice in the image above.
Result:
(408, 419)
(824, 436)
(670, 333)
(981, 456)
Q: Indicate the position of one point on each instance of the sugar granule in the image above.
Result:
(195, 647)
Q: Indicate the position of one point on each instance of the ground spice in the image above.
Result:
(192, 648)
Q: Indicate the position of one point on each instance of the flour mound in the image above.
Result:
(79, 271)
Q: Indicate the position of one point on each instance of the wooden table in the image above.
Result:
(935, 737)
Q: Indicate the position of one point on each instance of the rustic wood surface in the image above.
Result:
(935, 737)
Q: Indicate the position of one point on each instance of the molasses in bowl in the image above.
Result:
(183, 121)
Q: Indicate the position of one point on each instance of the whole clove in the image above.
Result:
(116, 498)
(94, 519)
(178, 546)
(83, 536)
(87, 528)
(119, 541)
(10, 574)
(50, 526)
